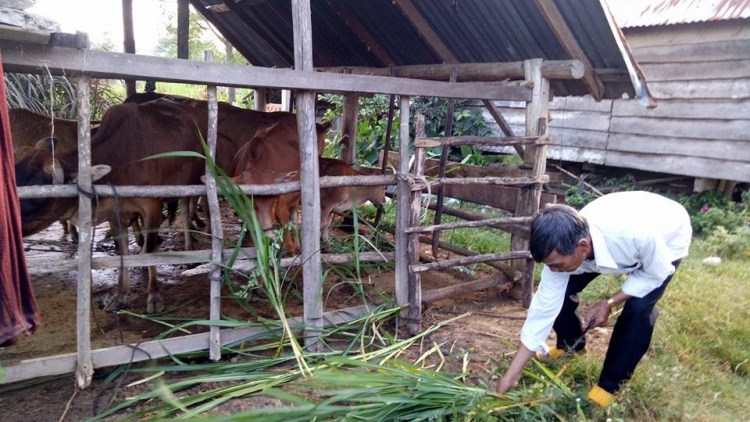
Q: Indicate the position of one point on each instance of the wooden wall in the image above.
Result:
(700, 77)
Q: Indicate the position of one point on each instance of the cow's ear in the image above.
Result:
(49, 143)
(97, 172)
(287, 177)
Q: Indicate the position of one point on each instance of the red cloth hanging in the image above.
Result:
(18, 311)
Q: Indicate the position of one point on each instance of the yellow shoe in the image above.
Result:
(555, 354)
(601, 396)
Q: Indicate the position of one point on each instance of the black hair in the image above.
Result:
(557, 228)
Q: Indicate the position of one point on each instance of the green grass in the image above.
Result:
(698, 367)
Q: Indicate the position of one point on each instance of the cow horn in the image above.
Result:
(58, 176)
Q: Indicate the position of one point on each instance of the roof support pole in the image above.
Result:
(309, 179)
(84, 367)
(129, 43)
(183, 29)
(535, 156)
(349, 131)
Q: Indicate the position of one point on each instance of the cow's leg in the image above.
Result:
(120, 237)
(282, 216)
(185, 212)
(151, 222)
(194, 217)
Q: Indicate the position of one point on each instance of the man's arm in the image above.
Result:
(513, 373)
(602, 310)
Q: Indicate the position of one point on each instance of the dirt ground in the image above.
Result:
(487, 333)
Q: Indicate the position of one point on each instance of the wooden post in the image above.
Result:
(286, 100)
(535, 157)
(349, 131)
(183, 29)
(441, 172)
(231, 91)
(309, 179)
(129, 39)
(85, 367)
(414, 320)
(259, 99)
(402, 208)
(217, 235)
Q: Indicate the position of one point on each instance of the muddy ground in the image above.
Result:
(488, 332)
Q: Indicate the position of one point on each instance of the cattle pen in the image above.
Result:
(525, 81)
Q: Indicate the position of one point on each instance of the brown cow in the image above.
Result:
(30, 130)
(128, 133)
(344, 198)
(272, 156)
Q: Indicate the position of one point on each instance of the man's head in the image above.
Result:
(559, 237)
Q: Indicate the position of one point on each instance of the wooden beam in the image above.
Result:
(481, 141)
(570, 44)
(499, 280)
(476, 259)
(402, 207)
(25, 58)
(129, 39)
(425, 31)
(502, 123)
(341, 8)
(467, 72)
(462, 224)
(183, 29)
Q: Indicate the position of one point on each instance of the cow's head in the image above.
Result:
(265, 205)
(37, 166)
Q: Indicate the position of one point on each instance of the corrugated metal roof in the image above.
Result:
(377, 33)
(639, 13)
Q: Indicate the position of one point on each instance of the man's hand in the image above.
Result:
(597, 315)
(507, 382)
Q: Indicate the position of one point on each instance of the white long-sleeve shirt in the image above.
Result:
(634, 233)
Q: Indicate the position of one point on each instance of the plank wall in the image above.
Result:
(700, 77)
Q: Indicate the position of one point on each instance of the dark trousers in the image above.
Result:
(631, 336)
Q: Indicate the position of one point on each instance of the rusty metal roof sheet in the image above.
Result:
(377, 33)
(640, 13)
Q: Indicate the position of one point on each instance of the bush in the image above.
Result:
(728, 244)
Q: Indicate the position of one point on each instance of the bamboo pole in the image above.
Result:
(516, 229)
(462, 224)
(443, 162)
(512, 274)
(167, 191)
(476, 259)
(217, 235)
(414, 319)
(480, 141)
(498, 280)
(85, 367)
(309, 178)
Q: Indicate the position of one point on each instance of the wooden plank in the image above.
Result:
(183, 29)
(43, 264)
(689, 166)
(568, 119)
(697, 71)
(476, 259)
(474, 72)
(349, 131)
(465, 181)
(716, 89)
(721, 109)
(569, 43)
(694, 33)
(84, 365)
(154, 349)
(106, 65)
(23, 35)
(690, 53)
(719, 149)
(432, 39)
(682, 128)
(501, 197)
(414, 313)
(575, 154)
